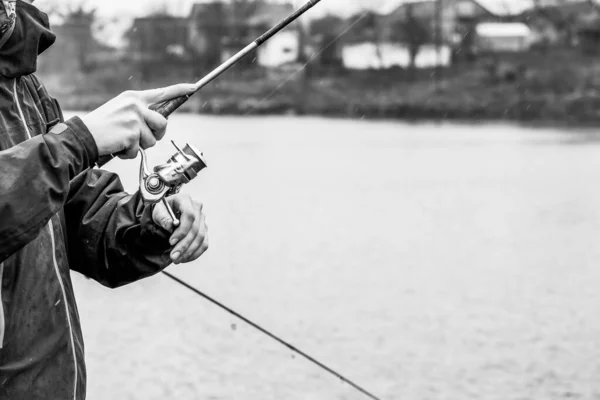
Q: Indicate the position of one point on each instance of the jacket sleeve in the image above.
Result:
(111, 236)
(34, 180)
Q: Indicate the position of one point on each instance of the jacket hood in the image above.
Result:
(26, 35)
(8, 19)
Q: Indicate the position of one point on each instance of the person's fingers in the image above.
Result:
(131, 152)
(159, 95)
(147, 138)
(184, 244)
(196, 241)
(156, 122)
(188, 214)
(162, 218)
(201, 249)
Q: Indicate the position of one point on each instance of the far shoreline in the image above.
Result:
(423, 118)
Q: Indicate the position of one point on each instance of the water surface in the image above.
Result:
(424, 261)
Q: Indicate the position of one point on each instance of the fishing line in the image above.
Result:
(273, 336)
(168, 107)
(312, 58)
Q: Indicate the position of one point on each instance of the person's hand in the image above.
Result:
(190, 238)
(125, 123)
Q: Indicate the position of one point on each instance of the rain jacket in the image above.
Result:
(56, 215)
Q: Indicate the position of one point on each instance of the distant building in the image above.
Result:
(207, 26)
(76, 49)
(324, 46)
(545, 32)
(496, 37)
(507, 9)
(452, 17)
(368, 55)
(588, 33)
(452, 22)
(283, 48)
(218, 30)
(159, 37)
(380, 42)
(555, 21)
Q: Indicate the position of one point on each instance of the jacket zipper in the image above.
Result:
(2, 320)
(21, 111)
(56, 269)
(62, 288)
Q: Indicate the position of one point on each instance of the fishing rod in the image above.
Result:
(168, 107)
(274, 337)
(167, 179)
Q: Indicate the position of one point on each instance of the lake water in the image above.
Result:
(423, 261)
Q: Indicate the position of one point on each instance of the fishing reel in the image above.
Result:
(168, 178)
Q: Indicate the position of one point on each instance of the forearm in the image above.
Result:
(35, 181)
(112, 237)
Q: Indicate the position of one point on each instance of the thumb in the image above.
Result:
(161, 217)
(159, 95)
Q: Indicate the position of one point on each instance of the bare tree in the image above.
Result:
(414, 33)
(563, 22)
(80, 17)
(240, 11)
(65, 8)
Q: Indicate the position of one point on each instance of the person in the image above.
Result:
(59, 213)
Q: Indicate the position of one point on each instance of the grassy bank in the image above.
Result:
(561, 86)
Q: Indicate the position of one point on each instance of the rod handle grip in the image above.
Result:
(165, 109)
(170, 106)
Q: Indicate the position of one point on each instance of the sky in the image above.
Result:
(140, 7)
(116, 15)
(182, 7)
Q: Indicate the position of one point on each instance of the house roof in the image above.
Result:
(500, 8)
(327, 25)
(213, 12)
(505, 8)
(502, 29)
(268, 13)
(257, 13)
(564, 14)
(364, 27)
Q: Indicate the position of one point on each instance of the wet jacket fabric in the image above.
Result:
(58, 214)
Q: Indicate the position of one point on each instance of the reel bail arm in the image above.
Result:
(168, 178)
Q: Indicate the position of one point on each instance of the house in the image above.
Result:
(506, 9)
(496, 37)
(436, 16)
(207, 27)
(368, 55)
(380, 42)
(218, 29)
(324, 46)
(452, 22)
(588, 32)
(555, 22)
(158, 37)
(76, 49)
(545, 31)
(281, 49)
